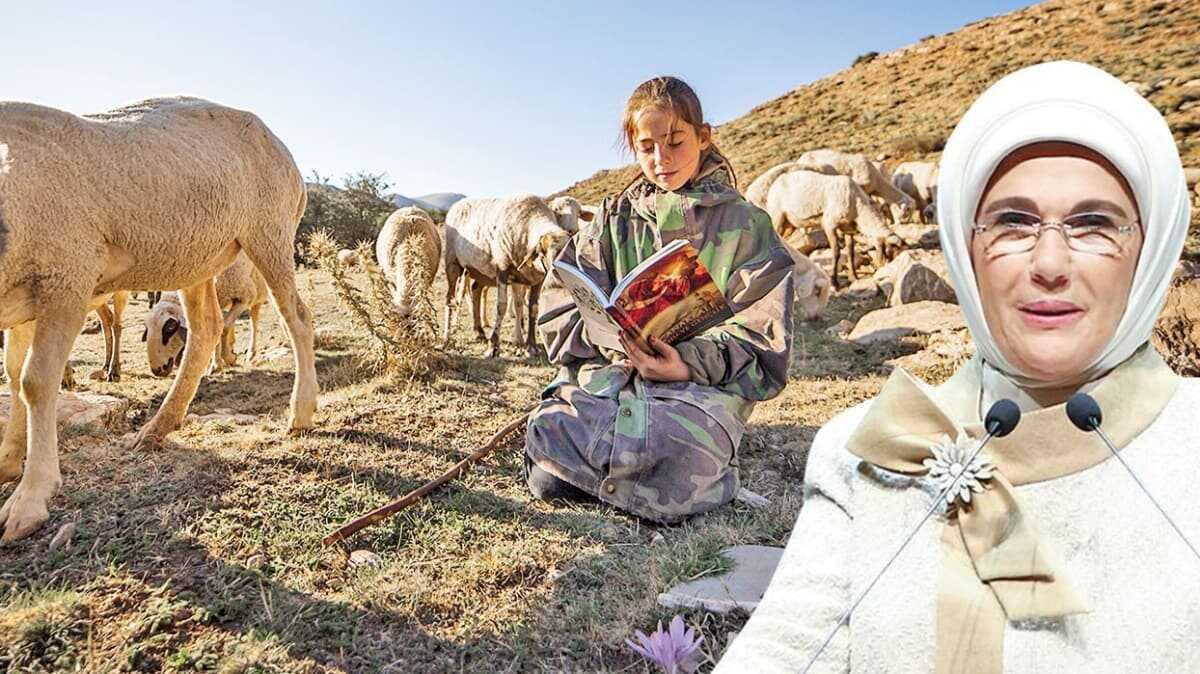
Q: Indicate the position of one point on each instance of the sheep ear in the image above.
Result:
(183, 332)
(586, 216)
(145, 334)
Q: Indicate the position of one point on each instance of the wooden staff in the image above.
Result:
(412, 497)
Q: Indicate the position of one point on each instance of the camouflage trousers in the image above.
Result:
(662, 451)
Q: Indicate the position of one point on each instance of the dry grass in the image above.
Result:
(206, 556)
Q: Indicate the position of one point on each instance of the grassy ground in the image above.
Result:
(206, 556)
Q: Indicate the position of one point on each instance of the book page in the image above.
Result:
(641, 268)
(674, 299)
(589, 298)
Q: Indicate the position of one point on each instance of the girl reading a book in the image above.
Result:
(656, 432)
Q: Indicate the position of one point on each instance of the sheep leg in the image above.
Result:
(535, 292)
(517, 298)
(478, 295)
(501, 307)
(831, 234)
(120, 300)
(254, 314)
(275, 263)
(53, 336)
(852, 255)
(228, 356)
(453, 274)
(12, 451)
(203, 314)
(106, 328)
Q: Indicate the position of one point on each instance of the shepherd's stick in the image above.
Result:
(412, 497)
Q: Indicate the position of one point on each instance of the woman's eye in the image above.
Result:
(675, 144)
(1091, 221)
(1015, 219)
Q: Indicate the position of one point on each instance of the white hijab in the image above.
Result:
(1077, 103)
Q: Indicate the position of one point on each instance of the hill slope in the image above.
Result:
(906, 102)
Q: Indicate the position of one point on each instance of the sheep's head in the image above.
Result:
(549, 247)
(903, 211)
(165, 336)
(887, 249)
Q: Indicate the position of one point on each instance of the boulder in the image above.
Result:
(742, 588)
(1177, 333)
(892, 323)
(808, 240)
(916, 276)
(80, 409)
(1192, 176)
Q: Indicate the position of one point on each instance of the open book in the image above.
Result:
(670, 295)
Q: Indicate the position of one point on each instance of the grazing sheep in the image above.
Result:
(756, 193)
(501, 241)
(812, 285)
(866, 174)
(918, 179)
(570, 212)
(409, 250)
(797, 197)
(173, 189)
(347, 258)
(240, 288)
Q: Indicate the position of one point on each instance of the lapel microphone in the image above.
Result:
(1002, 417)
(1084, 412)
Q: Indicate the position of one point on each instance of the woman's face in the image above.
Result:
(1052, 310)
(668, 148)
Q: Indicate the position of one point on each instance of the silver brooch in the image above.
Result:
(950, 460)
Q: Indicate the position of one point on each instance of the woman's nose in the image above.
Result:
(1050, 260)
(661, 156)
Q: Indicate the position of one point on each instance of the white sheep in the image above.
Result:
(240, 288)
(501, 241)
(918, 179)
(756, 193)
(570, 212)
(798, 197)
(172, 190)
(347, 258)
(409, 250)
(866, 174)
(812, 285)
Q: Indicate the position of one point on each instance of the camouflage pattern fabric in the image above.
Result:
(664, 451)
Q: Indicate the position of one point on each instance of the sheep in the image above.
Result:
(812, 285)
(866, 174)
(110, 326)
(409, 250)
(798, 196)
(347, 258)
(501, 241)
(173, 189)
(756, 193)
(918, 179)
(240, 288)
(570, 212)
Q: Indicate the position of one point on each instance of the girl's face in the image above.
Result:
(668, 148)
(1053, 308)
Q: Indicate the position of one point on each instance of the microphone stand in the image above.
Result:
(996, 428)
(1084, 412)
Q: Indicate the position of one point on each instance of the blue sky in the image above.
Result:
(483, 99)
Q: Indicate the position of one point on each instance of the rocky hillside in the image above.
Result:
(906, 102)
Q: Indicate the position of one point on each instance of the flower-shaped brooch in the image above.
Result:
(952, 459)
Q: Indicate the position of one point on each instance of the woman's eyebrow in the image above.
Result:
(1099, 205)
(1020, 203)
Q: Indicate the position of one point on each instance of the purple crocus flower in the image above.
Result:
(673, 650)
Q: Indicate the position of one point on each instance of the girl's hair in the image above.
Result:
(669, 93)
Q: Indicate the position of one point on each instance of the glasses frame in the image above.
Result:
(1041, 225)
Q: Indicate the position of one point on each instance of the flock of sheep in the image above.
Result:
(203, 202)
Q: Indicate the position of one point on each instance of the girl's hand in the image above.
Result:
(663, 365)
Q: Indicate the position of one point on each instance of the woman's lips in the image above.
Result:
(667, 176)
(1050, 313)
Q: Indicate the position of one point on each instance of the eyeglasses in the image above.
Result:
(1010, 232)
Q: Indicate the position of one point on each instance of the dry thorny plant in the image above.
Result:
(406, 345)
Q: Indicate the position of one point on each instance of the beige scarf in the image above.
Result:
(996, 567)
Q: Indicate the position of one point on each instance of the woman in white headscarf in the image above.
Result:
(1062, 213)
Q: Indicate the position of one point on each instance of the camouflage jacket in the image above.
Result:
(638, 455)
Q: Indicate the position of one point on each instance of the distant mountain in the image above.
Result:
(442, 201)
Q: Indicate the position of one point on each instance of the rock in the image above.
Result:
(808, 240)
(892, 323)
(364, 558)
(1177, 333)
(276, 353)
(1192, 176)
(658, 538)
(843, 327)
(256, 561)
(752, 499)
(863, 289)
(63, 538)
(1191, 84)
(945, 351)
(823, 257)
(742, 588)
(1141, 88)
(78, 409)
(915, 276)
